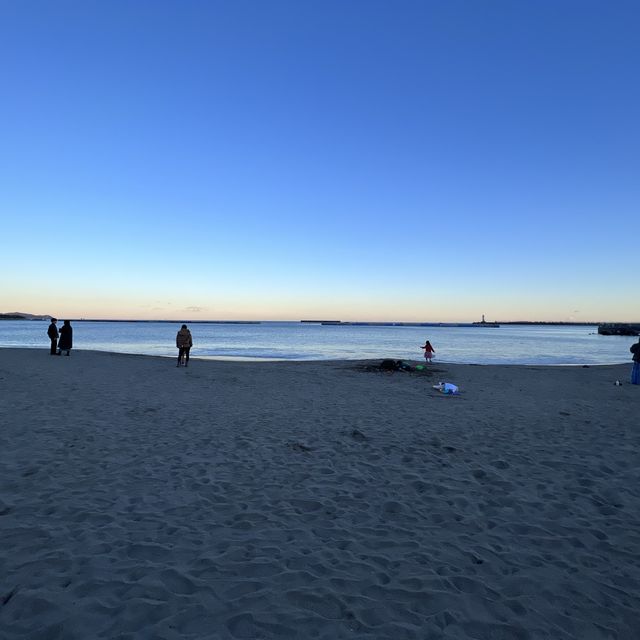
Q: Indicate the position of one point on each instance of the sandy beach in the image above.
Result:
(326, 500)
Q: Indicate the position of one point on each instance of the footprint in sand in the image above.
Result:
(297, 446)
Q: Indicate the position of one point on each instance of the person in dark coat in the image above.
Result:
(66, 338)
(635, 371)
(184, 344)
(52, 332)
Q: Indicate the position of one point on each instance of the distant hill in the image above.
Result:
(20, 315)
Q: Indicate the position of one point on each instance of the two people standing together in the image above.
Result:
(60, 340)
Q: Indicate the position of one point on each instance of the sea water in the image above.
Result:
(508, 344)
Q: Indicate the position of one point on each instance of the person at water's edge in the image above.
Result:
(66, 338)
(635, 371)
(184, 344)
(52, 332)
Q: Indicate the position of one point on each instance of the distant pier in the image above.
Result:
(619, 329)
(484, 323)
(338, 323)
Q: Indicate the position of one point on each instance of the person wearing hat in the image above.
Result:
(52, 332)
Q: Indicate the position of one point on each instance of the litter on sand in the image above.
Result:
(447, 387)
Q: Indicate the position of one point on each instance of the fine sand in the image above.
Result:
(315, 500)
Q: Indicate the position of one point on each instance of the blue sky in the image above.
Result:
(353, 159)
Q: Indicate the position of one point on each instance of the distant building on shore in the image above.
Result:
(484, 323)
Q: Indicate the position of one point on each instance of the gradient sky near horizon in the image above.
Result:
(412, 160)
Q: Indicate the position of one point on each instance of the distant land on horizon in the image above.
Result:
(20, 315)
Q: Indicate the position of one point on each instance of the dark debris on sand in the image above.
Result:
(397, 366)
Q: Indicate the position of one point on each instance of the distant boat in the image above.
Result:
(484, 323)
(618, 329)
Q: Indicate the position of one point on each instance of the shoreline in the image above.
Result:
(414, 361)
(316, 499)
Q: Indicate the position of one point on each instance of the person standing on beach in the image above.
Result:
(428, 351)
(52, 332)
(184, 344)
(635, 371)
(66, 338)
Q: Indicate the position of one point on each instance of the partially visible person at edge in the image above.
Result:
(184, 343)
(428, 351)
(52, 332)
(66, 338)
(635, 371)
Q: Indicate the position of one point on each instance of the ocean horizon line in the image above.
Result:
(327, 321)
